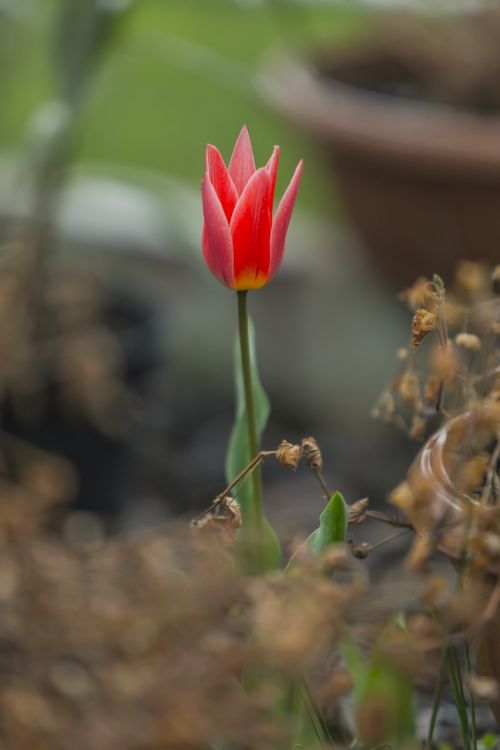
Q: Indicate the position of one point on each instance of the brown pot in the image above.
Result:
(419, 180)
(437, 506)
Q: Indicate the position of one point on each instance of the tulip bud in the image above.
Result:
(243, 244)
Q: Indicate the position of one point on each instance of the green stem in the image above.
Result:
(253, 443)
(436, 701)
(456, 683)
(471, 698)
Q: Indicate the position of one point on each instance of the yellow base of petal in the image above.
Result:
(247, 281)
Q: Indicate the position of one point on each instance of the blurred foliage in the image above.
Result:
(83, 30)
(179, 74)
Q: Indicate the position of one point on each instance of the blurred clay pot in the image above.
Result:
(439, 506)
(439, 503)
(420, 180)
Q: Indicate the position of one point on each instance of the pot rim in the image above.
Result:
(379, 126)
(430, 470)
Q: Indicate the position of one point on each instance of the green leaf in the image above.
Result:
(332, 527)
(238, 452)
(238, 456)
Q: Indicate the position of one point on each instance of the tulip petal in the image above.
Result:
(216, 239)
(251, 231)
(242, 164)
(282, 220)
(220, 179)
(272, 168)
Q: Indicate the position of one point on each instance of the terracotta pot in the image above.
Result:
(438, 506)
(419, 180)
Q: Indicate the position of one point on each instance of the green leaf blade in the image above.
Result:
(332, 528)
(332, 523)
(259, 543)
(238, 452)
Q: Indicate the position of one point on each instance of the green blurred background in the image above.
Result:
(177, 74)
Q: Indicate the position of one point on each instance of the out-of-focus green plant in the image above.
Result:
(384, 711)
(83, 30)
(489, 742)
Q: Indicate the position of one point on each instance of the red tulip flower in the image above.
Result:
(243, 244)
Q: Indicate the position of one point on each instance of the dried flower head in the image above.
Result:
(468, 341)
(222, 519)
(423, 323)
(444, 362)
(409, 387)
(416, 295)
(483, 688)
(472, 280)
(360, 550)
(289, 455)
(312, 453)
(357, 511)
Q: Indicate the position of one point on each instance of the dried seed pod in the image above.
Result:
(483, 688)
(223, 519)
(225, 512)
(357, 511)
(468, 341)
(360, 550)
(414, 296)
(289, 455)
(423, 323)
(452, 310)
(312, 453)
(471, 279)
(408, 387)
